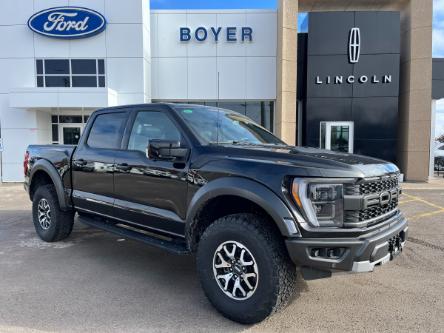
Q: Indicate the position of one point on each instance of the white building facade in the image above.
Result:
(49, 86)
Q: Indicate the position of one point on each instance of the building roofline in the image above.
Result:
(212, 11)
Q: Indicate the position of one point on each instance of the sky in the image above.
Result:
(438, 27)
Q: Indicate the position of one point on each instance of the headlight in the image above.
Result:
(322, 203)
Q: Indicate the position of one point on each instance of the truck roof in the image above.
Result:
(128, 107)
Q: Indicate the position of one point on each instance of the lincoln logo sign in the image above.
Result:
(67, 22)
(354, 51)
(354, 45)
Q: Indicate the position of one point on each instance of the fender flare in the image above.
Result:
(247, 189)
(50, 170)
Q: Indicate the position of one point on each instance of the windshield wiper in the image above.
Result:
(244, 143)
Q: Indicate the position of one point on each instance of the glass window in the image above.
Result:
(340, 138)
(218, 126)
(107, 131)
(85, 118)
(83, 66)
(101, 81)
(211, 103)
(71, 119)
(39, 81)
(39, 66)
(70, 72)
(56, 66)
(238, 107)
(150, 125)
(54, 119)
(255, 111)
(84, 81)
(55, 132)
(101, 66)
(57, 81)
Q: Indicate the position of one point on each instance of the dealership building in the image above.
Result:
(359, 79)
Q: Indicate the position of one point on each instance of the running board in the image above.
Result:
(172, 246)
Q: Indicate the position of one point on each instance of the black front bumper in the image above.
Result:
(360, 254)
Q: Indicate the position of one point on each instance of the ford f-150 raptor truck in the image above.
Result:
(208, 181)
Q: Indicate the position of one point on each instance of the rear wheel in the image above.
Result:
(244, 268)
(50, 222)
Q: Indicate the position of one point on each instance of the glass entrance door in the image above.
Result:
(337, 136)
(70, 133)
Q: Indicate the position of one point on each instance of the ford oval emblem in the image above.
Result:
(67, 22)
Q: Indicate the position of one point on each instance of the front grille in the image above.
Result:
(385, 184)
(370, 190)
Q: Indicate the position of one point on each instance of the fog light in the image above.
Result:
(327, 252)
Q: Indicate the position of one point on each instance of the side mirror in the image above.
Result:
(166, 150)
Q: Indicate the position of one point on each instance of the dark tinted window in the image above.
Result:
(83, 66)
(39, 81)
(107, 131)
(150, 125)
(70, 119)
(238, 107)
(57, 81)
(39, 65)
(54, 119)
(101, 81)
(84, 81)
(101, 66)
(56, 66)
(55, 132)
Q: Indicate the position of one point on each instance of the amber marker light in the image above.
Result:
(295, 193)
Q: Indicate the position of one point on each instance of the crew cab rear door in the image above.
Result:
(93, 162)
(150, 192)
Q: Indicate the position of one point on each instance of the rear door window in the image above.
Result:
(107, 131)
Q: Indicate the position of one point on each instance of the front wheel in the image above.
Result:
(50, 222)
(244, 268)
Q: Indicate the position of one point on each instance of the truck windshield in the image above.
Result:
(219, 126)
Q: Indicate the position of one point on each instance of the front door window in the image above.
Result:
(70, 134)
(337, 136)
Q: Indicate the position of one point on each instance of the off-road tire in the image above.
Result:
(61, 222)
(276, 271)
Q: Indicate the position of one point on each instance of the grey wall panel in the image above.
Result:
(438, 78)
(383, 149)
(328, 32)
(380, 32)
(375, 117)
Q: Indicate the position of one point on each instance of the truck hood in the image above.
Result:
(324, 163)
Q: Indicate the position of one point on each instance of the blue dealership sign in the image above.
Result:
(67, 22)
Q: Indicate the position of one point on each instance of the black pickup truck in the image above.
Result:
(203, 180)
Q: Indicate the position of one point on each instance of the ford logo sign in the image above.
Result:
(67, 22)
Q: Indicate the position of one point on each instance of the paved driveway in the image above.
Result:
(95, 281)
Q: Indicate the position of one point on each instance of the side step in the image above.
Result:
(172, 246)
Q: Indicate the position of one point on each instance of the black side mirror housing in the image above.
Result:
(166, 150)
